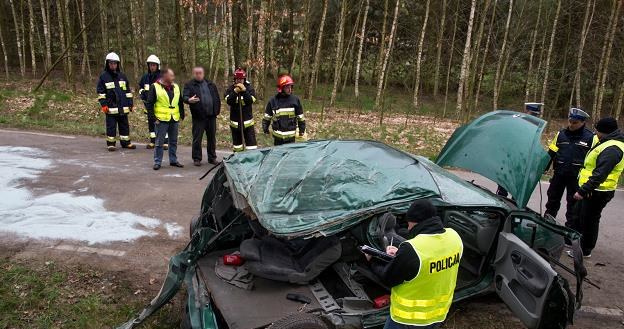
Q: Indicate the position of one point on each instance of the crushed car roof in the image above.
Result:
(323, 186)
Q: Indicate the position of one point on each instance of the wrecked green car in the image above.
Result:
(289, 221)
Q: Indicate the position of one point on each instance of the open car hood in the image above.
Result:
(322, 186)
(504, 146)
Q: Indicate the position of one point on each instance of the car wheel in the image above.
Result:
(300, 321)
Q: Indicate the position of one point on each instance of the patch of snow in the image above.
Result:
(59, 215)
(173, 175)
(82, 190)
(174, 230)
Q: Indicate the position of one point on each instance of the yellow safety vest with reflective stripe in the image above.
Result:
(426, 299)
(165, 109)
(610, 184)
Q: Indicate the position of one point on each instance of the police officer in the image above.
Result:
(598, 181)
(240, 96)
(532, 109)
(152, 75)
(568, 150)
(284, 113)
(115, 98)
(423, 273)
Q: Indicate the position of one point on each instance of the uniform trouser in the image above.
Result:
(558, 183)
(280, 141)
(162, 129)
(249, 134)
(586, 218)
(114, 121)
(201, 126)
(151, 127)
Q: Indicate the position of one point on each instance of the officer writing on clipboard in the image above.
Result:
(423, 272)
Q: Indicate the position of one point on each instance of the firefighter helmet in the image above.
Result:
(240, 74)
(153, 59)
(283, 81)
(113, 57)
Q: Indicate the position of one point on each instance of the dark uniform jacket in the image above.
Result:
(405, 265)
(146, 81)
(571, 148)
(202, 109)
(283, 123)
(607, 160)
(114, 91)
(248, 98)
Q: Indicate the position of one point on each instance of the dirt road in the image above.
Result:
(67, 198)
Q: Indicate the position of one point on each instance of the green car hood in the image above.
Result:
(504, 146)
(322, 186)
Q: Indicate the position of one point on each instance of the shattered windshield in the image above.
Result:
(302, 188)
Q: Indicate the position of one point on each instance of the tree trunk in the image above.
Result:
(587, 20)
(382, 73)
(450, 62)
(549, 54)
(317, 54)
(180, 38)
(528, 81)
(157, 21)
(4, 55)
(46, 34)
(360, 50)
(605, 69)
(260, 52)
(436, 75)
(85, 44)
(20, 56)
(419, 55)
(193, 35)
(226, 43)
(230, 36)
(501, 55)
(68, 44)
(476, 50)
(485, 53)
(305, 54)
(465, 60)
(250, 29)
(31, 39)
(339, 46)
(382, 42)
(619, 103)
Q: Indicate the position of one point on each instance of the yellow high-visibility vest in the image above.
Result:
(610, 184)
(165, 109)
(426, 299)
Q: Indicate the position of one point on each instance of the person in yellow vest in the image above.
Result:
(423, 273)
(165, 106)
(598, 180)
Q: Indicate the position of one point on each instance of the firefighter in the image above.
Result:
(115, 99)
(240, 96)
(532, 109)
(152, 75)
(284, 113)
(598, 180)
(568, 150)
(423, 273)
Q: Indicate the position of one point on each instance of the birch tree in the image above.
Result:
(260, 54)
(503, 50)
(549, 54)
(360, 49)
(31, 38)
(590, 6)
(436, 75)
(465, 60)
(382, 41)
(485, 54)
(157, 21)
(529, 81)
(317, 53)
(339, 46)
(85, 45)
(46, 34)
(607, 56)
(4, 54)
(18, 40)
(382, 73)
(450, 61)
(419, 56)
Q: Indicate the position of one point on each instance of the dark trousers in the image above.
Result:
(208, 126)
(280, 141)
(249, 134)
(558, 183)
(163, 129)
(114, 121)
(586, 218)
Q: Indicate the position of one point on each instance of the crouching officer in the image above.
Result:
(423, 273)
(152, 75)
(240, 97)
(598, 180)
(115, 99)
(568, 150)
(284, 113)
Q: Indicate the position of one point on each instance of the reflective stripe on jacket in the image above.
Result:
(427, 298)
(610, 183)
(114, 91)
(284, 114)
(166, 109)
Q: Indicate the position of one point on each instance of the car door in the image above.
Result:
(524, 280)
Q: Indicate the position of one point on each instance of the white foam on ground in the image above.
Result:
(60, 215)
(174, 230)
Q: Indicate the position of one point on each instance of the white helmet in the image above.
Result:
(153, 59)
(112, 57)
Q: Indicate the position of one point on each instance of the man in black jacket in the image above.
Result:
(598, 181)
(203, 98)
(568, 150)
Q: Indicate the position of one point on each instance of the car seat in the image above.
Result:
(386, 231)
(298, 261)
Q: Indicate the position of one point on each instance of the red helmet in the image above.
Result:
(283, 81)
(240, 74)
